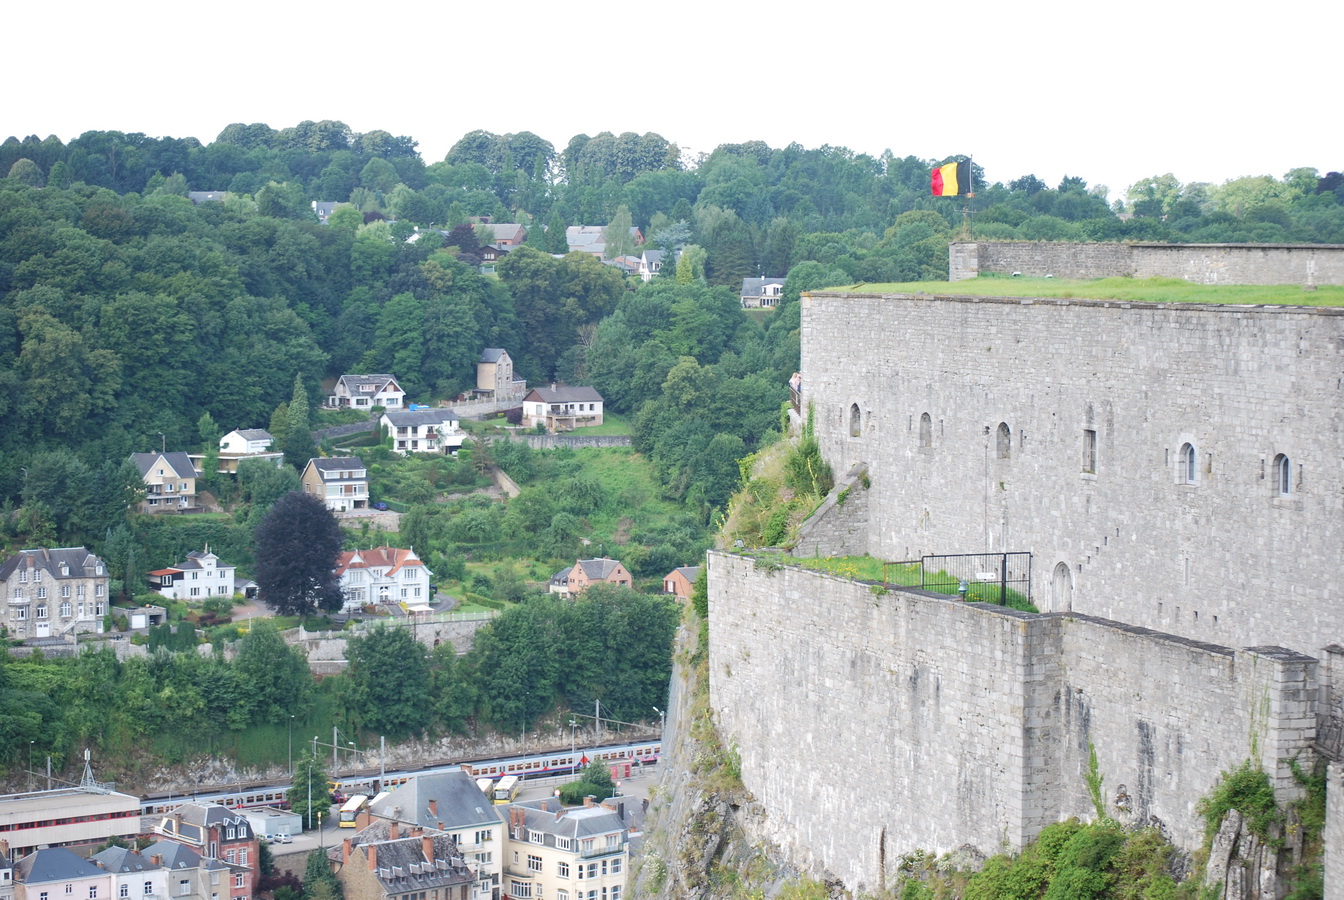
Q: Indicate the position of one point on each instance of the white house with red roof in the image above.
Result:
(382, 575)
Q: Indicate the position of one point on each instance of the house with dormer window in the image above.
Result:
(52, 592)
(424, 431)
(554, 852)
(222, 834)
(200, 576)
(383, 575)
(367, 391)
(58, 873)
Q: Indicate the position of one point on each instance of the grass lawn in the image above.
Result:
(612, 423)
(1136, 290)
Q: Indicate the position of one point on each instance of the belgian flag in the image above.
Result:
(953, 180)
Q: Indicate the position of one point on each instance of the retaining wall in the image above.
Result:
(1199, 263)
(968, 723)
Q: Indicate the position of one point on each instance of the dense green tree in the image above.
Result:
(298, 443)
(297, 544)
(309, 796)
(389, 682)
(276, 673)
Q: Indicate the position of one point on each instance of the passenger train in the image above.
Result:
(561, 762)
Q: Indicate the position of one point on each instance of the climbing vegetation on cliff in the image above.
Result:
(782, 485)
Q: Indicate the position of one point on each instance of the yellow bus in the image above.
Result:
(506, 789)
(353, 807)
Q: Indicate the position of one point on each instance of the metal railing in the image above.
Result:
(1002, 578)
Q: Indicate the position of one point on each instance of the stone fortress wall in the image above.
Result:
(873, 724)
(1199, 263)
(1185, 608)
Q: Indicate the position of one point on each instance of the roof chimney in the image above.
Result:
(373, 857)
(345, 851)
(156, 859)
(588, 800)
(434, 807)
(392, 831)
(427, 848)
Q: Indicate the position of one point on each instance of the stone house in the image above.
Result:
(170, 481)
(424, 431)
(383, 575)
(199, 576)
(387, 861)
(562, 408)
(367, 391)
(54, 592)
(560, 853)
(494, 375)
(341, 482)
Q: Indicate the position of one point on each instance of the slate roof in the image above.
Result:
(510, 231)
(562, 577)
(690, 573)
(755, 287)
(550, 817)
(54, 864)
(122, 860)
(402, 864)
(415, 417)
(564, 394)
(329, 468)
(80, 562)
(378, 382)
(492, 354)
(179, 856)
(599, 569)
(255, 434)
(459, 803)
(178, 461)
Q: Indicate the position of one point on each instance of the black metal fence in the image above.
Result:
(1002, 578)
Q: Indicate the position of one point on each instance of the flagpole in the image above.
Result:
(966, 204)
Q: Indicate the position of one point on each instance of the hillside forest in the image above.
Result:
(134, 319)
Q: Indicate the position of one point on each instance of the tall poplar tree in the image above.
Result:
(299, 447)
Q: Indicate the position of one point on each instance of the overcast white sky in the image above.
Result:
(1106, 91)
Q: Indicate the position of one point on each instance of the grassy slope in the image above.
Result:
(1136, 290)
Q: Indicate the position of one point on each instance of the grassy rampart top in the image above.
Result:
(1136, 290)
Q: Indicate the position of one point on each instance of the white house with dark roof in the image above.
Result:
(51, 592)
(565, 853)
(761, 293)
(341, 482)
(562, 408)
(58, 873)
(383, 575)
(134, 875)
(170, 481)
(450, 802)
(200, 576)
(424, 431)
(367, 391)
(650, 264)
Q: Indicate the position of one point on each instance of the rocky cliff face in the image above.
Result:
(701, 838)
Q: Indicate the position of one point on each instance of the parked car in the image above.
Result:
(380, 505)
(285, 838)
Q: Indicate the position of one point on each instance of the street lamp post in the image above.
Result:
(30, 765)
(662, 721)
(573, 751)
(290, 736)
